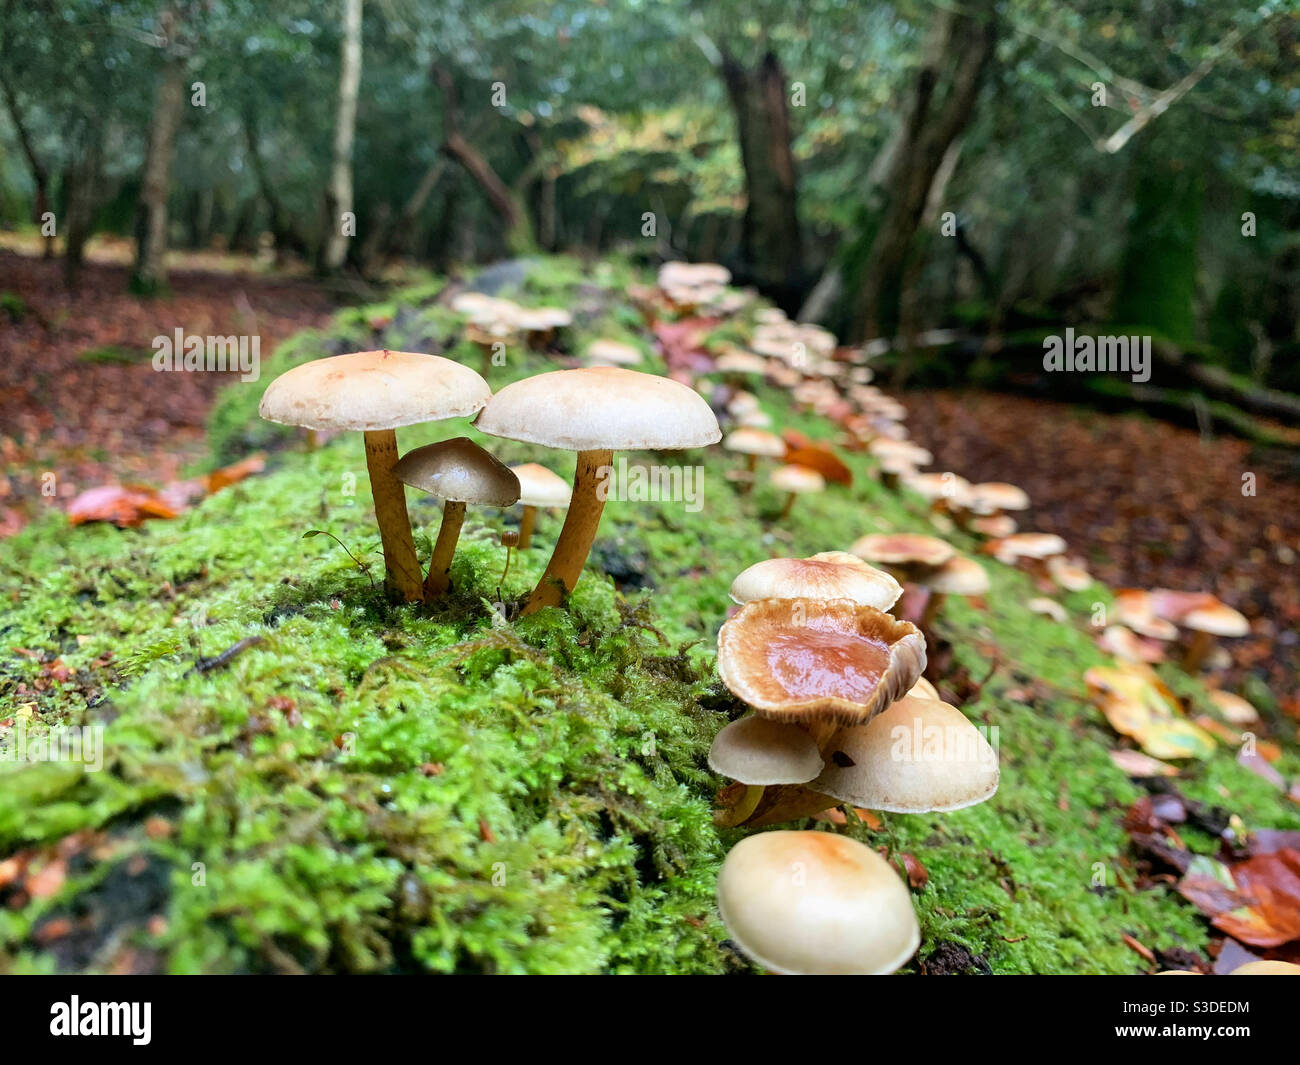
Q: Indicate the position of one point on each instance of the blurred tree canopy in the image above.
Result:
(888, 167)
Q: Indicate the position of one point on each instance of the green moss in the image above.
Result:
(368, 788)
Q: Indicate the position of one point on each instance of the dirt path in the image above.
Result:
(1146, 504)
(78, 394)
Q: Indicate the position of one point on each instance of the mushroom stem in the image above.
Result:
(401, 567)
(932, 604)
(439, 579)
(785, 510)
(751, 461)
(590, 484)
(1196, 652)
(526, 527)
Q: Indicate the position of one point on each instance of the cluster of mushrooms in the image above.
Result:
(840, 714)
(593, 411)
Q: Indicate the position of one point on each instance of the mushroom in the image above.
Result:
(1134, 609)
(923, 689)
(611, 353)
(1208, 621)
(1069, 575)
(1267, 967)
(758, 751)
(378, 392)
(1048, 608)
(816, 903)
(458, 472)
(994, 525)
(1233, 708)
(820, 663)
(827, 575)
(914, 453)
(754, 444)
(1125, 644)
(594, 411)
(907, 551)
(1032, 545)
(796, 481)
(538, 487)
(996, 497)
(958, 576)
(917, 756)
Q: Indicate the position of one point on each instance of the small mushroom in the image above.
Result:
(917, 756)
(538, 487)
(1071, 576)
(612, 353)
(459, 472)
(909, 552)
(1134, 609)
(378, 392)
(816, 903)
(1233, 708)
(958, 576)
(1049, 608)
(754, 444)
(828, 575)
(796, 481)
(1207, 622)
(594, 411)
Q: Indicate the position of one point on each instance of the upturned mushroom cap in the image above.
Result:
(460, 471)
(918, 756)
(612, 353)
(601, 408)
(816, 903)
(369, 390)
(745, 441)
(758, 751)
(827, 575)
(818, 660)
(797, 479)
(539, 487)
(903, 549)
(958, 576)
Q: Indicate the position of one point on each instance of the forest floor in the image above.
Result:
(298, 777)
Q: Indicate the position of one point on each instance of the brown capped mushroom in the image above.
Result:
(827, 575)
(377, 392)
(458, 472)
(594, 411)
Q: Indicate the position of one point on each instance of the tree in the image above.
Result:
(150, 272)
(338, 195)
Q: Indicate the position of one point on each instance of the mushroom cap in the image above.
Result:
(827, 575)
(747, 441)
(899, 549)
(958, 576)
(1049, 608)
(818, 660)
(371, 390)
(1069, 575)
(933, 486)
(1028, 545)
(1216, 618)
(816, 903)
(539, 487)
(923, 689)
(996, 496)
(797, 479)
(883, 446)
(1233, 708)
(918, 756)
(1133, 608)
(994, 525)
(1266, 968)
(601, 408)
(759, 752)
(740, 362)
(1124, 644)
(460, 471)
(612, 353)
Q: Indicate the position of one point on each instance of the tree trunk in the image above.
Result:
(941, 104)
(338, 194)
(150, 274)
(40, 172)
(507, 205)
(81, 180)
(771, 240)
